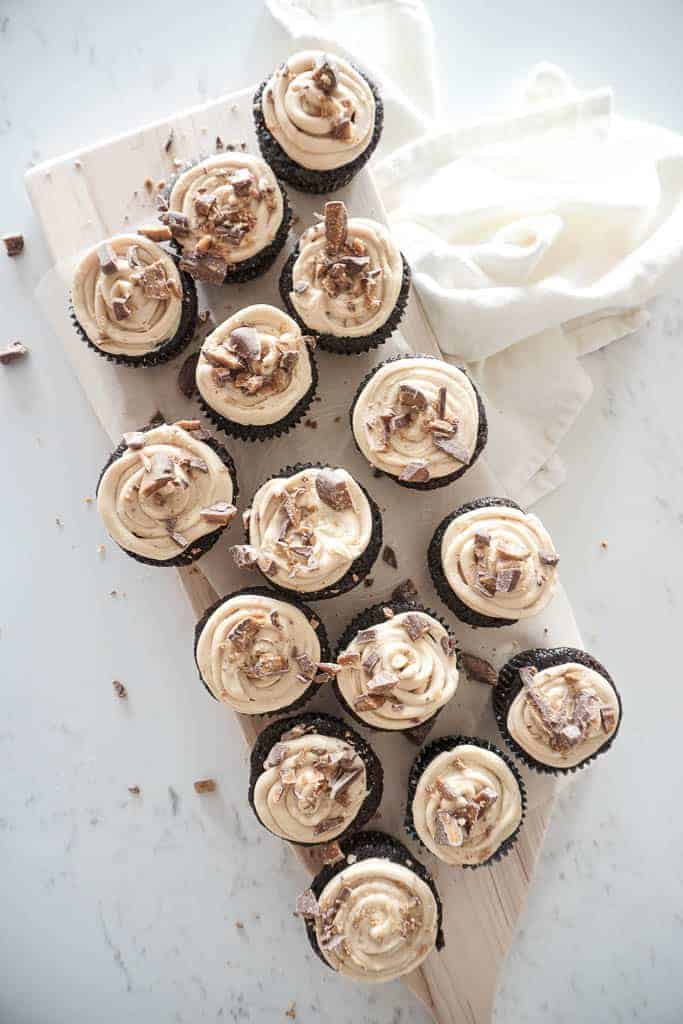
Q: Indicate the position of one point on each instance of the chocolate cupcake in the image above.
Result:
(557, 709)
(256, 375)
(313, 779)
(492, 563)
(375, 914)
(130, 303)
(311, 530)
(167, 493)
(259, 652)
(318, 120)
(346, 282)
(419, 421)
(397, 668)
(466, 801)
(229, 217)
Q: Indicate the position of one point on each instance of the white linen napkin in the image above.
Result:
(534, 237)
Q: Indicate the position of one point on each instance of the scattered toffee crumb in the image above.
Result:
(291, 1011)
(405, 591)
(15, 350)
(368, 581)
(604, 545)
(135, 790)
(205, 786)
(169, 141)
(186, 375)
(389, 556)
(313, 424)
(101, 549)
(479, 669)
(88, 500)
(239, 925)
(377, 473)
(14, 244)
(58, 523)
(337, 419)
(119, 689)
(149, 184)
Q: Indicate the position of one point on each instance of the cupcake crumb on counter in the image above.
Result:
(77, 164)
(14, 244)
(100, 550)
(169, 141)
(291, 1011)
(389, 556)
(368, 581)
(239, 925)
(604, 545)
(313, 424)
(405, 591)
(59, 523)
(119, 689)
(13, 351)
(205, 786)
(135, 790)
(148, 184)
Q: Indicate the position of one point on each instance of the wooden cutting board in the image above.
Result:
(100, 190)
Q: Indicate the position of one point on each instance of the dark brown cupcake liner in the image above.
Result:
(249, 432)
(326, 725)
(362, 846)
(374, 616)
(427, 755)
(509, 685)
(180, 340)
(203, 544)
(441, 584)
(305, 179)
(358, 570)
(442, 481)
(346, 346)
(313, 619)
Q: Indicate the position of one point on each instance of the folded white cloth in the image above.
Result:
(534, 237)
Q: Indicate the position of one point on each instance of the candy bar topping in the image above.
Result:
(312, 790)
(563, 714)
(313, 525)
(500, 561)
(127, 295)
(254, 367)
(399, 673)
(166, 491)
(347, 276)
(250, 649)
(467, 802)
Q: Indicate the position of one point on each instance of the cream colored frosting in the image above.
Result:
(354, 305)
(378, 920)
(260, 390)
(517, 543)
(260, 674)
(315, 547)
(567, 713)
(299, 798)
(148, 314)
(469, 794)
(241, 221)
(305, 120)
(392, 432)
(161, 522)
(421, 674)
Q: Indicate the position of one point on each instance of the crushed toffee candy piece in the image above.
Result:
(205, 786)
(416, 472)
(336, 225)
(330, 668)
(269, 665)
(406, 591)
(548, 558)
(365, 636)
(156, 233)
(347, 658)
(121, 307)
(415, 625)
(327, 824)
(134, 439)
(220, 512)
(441, 403)
(246, 342)
(369, 701)
(449, 645)
(169, 141)
(306, 665)
(14, 244)
(276, 756)
(342, 129)
(203, 267)
(107, 258)
(179, 223)
(241, 180)
(134, 790)
(325, 76)
(177, 538)
(447, 831)
(527, 674)
(479, 669)
(186, 375)
(243, 634)
(154, 282)
(369, 661)
(441, 427)
(307, 905)
(382, 682)
(482, 543)
(15, 350)
(119, 689)
(451, 446)
(507, 580)
(244, 556)
(161, 471)
(204, 204)
(330, 485)
(332, 853)
(608, 718)
(389, 556)
(412, 397)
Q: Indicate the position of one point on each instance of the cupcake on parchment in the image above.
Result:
(346, 282)
(419, 420)
(557, 709)
(397, 668)
(256, 375)
(228, 216)
(167, 493)
(313, 779)
(311, 530)
(375, 914)
(466, 801)
(318, 120)
(261, 653)
(130, 303)
(492, 563)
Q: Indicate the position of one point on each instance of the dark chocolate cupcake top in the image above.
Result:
(223, 211)
(127, 295)
(320, 110)
(417, 418)
(467, 802)
(500, 561)
(164, 492)
(347, 276)
(255, 366)
(563, 714)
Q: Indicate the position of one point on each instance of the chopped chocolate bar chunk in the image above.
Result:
(479, 669)
(241, 180)
(366, 636)
(441, 427)
(325, 76)
(205, 786)
(369, 701)
(383, 682)
(389, 556)
(156, 233)
(203, 267)
(107, 258)
(220, 512)
(347, 658)
(441, 404)
(370, 660)
(548, 558)
(342, 129)
(246, 343)
(276, 756)
(244, 556)
(608, 718)
(336, 225)
(14, 350)
(412, 397)
(449, 645)
(415, 625)
(416, 472)
(451, 446)
(329, 668)
(186, 375)
(331, 487)
(243, 634)
(307, 669)
(122, 308)
(160, 472)
(153, 281)
(405, 591)
(507, 580)
(307, 905)
(14, 244)
(177, 222)
(327, 825)
(447, 832)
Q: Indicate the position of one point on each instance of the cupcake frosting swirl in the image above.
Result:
(417, 414)
(311, 788)
(164, 492)
(347, 277)
(500, 561)
(377, 920)
(255, 366)
(257, 653)
(320, 110)
(127, 295)
(399, 673)
(309, 528)
(563, 714)
(227, 208)
(467, 802)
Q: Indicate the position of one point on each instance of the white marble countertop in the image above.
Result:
(120, 908)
